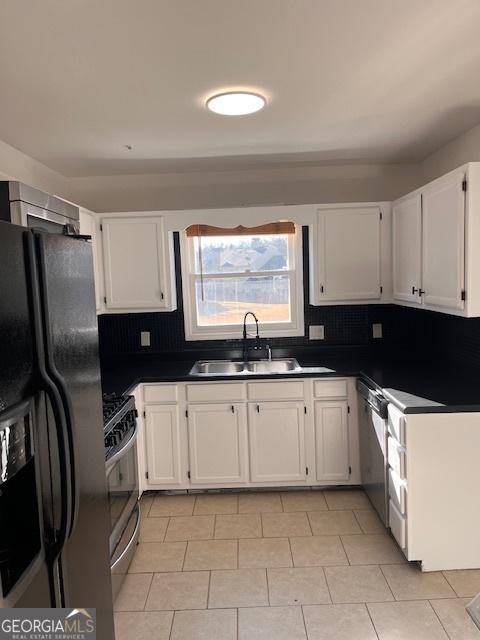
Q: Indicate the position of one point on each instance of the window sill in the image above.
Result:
(291, 332)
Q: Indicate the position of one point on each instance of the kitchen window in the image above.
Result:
(227, 272)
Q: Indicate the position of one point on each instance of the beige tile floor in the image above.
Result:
(297, 565)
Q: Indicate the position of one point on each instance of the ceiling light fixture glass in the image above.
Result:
(236, 103)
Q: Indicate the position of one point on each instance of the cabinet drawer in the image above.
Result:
(396, 424)
(216, 392)
(397, 491)
(398, 525)
(160, 393)
(276, 390)
(397, 457)
(330, 389)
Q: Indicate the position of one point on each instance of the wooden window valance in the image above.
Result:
(272, 228)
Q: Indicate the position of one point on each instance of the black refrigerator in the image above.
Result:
(54, 521)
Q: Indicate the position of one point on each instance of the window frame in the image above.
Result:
(296, 327)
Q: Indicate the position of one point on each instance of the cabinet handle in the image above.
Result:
(421, 292)
(321, 288)
(233, 408)
(258, 408)
(161, 295)
(414, 291)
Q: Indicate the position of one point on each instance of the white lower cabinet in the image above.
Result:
(277, 441)
(331, 440)
(239, 433)
(217, 442)
(432, 483)
(162, 444)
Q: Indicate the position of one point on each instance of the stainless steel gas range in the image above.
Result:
(120, 430)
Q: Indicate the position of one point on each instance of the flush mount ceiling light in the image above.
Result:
(236, 103)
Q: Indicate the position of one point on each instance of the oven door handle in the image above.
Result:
(123, 450)
(130, 543)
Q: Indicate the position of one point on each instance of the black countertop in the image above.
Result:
(413, 385)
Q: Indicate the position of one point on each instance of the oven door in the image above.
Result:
(122, 486)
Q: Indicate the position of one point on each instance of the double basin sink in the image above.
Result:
(253, 367)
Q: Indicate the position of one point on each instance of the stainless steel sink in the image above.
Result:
(217, 368)
(231, 368)
(273, 366)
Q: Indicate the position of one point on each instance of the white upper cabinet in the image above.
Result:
(443, 248)
(407, 248)
(346, 255)
(138, 264)
(436, 236)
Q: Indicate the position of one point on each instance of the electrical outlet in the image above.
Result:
(316, 332)
(145, 338)
(377, 330)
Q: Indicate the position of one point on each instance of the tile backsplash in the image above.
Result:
(344, 325)
(410, 331)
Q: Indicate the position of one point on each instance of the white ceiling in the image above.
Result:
(346, 80)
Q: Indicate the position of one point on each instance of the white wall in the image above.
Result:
(465, 148)
(294, 185)
(15, 165)
(302, 184)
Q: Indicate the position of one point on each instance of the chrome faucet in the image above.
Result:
(245, 334)
(257, 346)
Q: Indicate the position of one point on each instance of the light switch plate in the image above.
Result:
(316, 332)
(377, 330)
(145, 338)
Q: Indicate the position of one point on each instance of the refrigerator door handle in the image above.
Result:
(63, 391)
(53, 395)
(67, 408)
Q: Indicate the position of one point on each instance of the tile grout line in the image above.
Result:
(451, 585)
(171, 626)
(386, 580)
(328, 586)
(345, 551)
(365, 604)
(438, 618)
(291, 552)
(304, 621)
(309, 523)
(148, 592)
(184, 554)
(208, 589)
(268, 586)
(358, 522)
(165, 532)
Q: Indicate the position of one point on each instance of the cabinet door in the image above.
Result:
(88, 228)
(217, 435)
(277, 441)
(163, 444)
(331, 440)
(443, 250)
(349, 254)
(407, 247)
(134, 261)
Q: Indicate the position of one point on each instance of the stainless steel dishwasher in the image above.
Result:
(373, 432)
